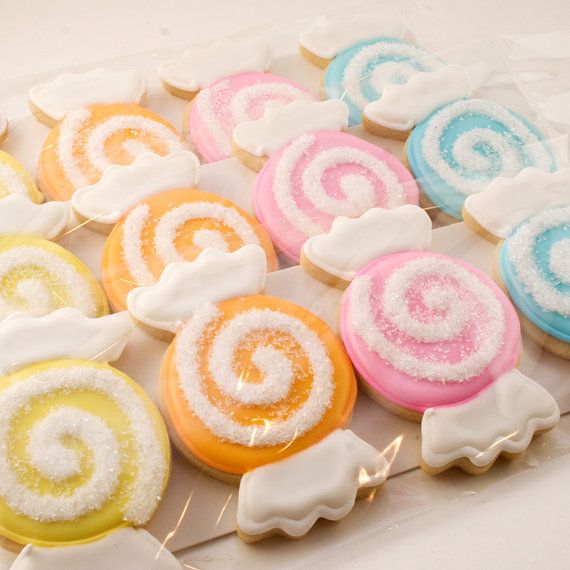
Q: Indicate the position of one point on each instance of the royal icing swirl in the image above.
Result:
(38, 277)
(53, 492)
(460, 148)
(260, 377)
(534, 263)
(359, 74)
(425, 330)
(172, 227)
(88, 140)
(232, 100)
(320, 176)
(15, 180)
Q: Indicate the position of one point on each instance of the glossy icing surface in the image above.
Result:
(89, 139)
(255, 379)
(172, 227)
(320, 176)
(125, 548)
(15, 180)
(318, 482)
(225, 103)
(509, 201)
(360, 73)
(461, 147)
(122, 186)
(534, 264)
(38, 277)
(502, 418)
(83, 451)
(72, 90)
(453, 335)
(213, 276)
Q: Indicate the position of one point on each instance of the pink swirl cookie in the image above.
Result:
(426, 330)
(227, 102)
(320, 176)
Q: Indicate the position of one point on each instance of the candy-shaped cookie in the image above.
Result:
(84, 451)
(89, 139)
(320, 176)
(65, 333)
(200, 66)
(122, 186)
(126, 548)
(38, 277)
(254, 141)
(15, 180)
(463, 146)
(3, 127)
(330, 36)
(49, 102)
(359, 74)
(402, 106)
(498, 210)
(533, 266)
(217, 109)
(171, 227)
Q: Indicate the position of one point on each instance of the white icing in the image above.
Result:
(3, 123)
(502, 418)
(329, 36)
(401, 106)
(20, 216)
(280, 125)
(101, 480)
(509, 201)
(200, 66)
(65, 333)
(70, 90)
(213, 276)
(353, 242)
(251, 326)
(124, 549)
(13, 181)
(122, 186)
(318, 482)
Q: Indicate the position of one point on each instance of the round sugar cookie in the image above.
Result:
(15, 180)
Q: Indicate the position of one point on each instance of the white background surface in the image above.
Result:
(490, 522)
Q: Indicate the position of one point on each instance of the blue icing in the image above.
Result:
(334, 79)
(553, 323)
(444, 194)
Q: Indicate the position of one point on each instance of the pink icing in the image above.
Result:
(353, 177)
(482, 313)
(217, 109)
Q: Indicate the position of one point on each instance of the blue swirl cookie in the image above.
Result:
(534, 266)
(464, 145)
(359, 74)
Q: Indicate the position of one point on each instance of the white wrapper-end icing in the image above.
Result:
(509, 201)
(212, 277)
(503, 417)
(280, 125)
(65, 333)
(124, 549)
(353, 242)
(98, 86)
(318, 482)
(20, 216)
(401, 107)
(122, 186)
(329, 36)
(199, 66)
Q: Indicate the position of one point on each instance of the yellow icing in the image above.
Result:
(33, 193)
(94, 525)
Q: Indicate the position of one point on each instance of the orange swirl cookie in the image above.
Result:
(89, 139)
(253, 380)
(169, 227)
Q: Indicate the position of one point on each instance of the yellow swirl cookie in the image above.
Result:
(89, 139)
(15, 180)
(38, 277)
(83, 451)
